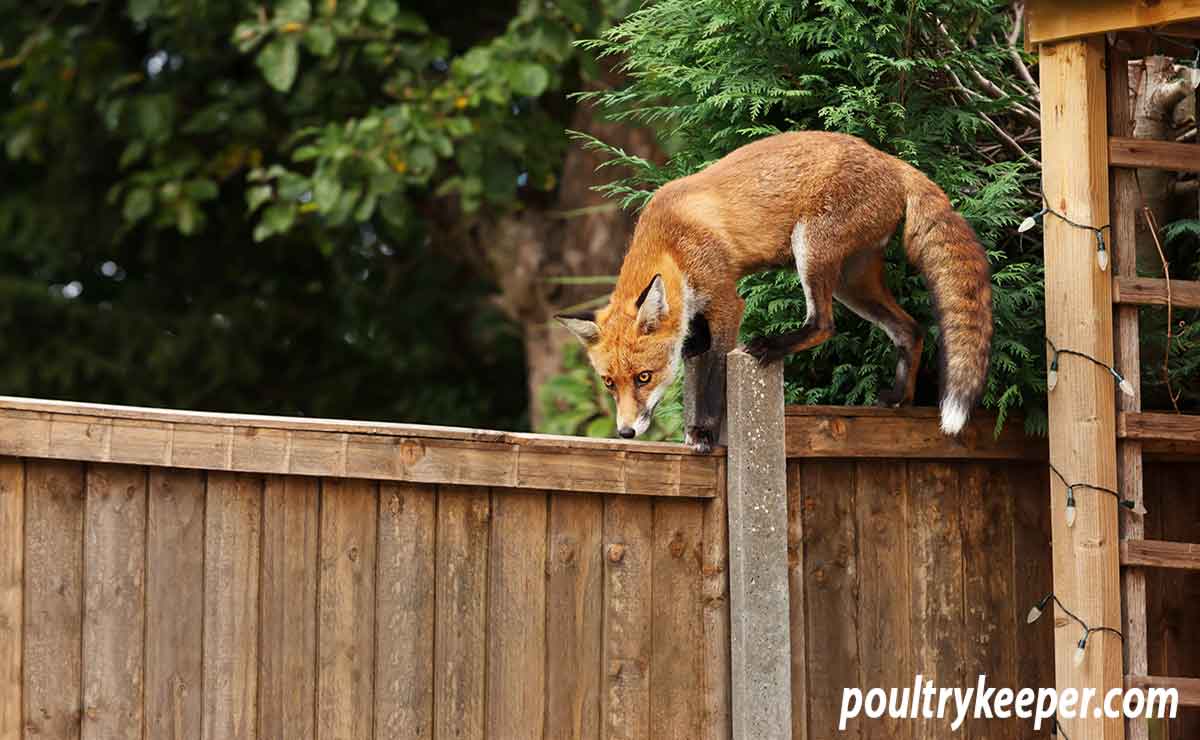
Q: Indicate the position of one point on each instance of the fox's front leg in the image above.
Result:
(711, 336)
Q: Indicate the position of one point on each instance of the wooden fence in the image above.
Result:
(178, 575)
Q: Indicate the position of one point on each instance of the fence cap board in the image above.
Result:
(354, 449)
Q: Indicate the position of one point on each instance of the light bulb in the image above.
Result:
(1052, 375)
(1126, 387)
(1102, 258)
(1034, 614)
(1139, 509)
(1070, 508)
(1080, 651)
(1027, 224)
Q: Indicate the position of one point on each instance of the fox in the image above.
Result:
(824, 202)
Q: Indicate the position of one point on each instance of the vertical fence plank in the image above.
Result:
(1181, 597)
(53, 599)
(677, 632)
(628, 528)
(114, 601)
(717, 720)
(174, 604)
(881, 500)
(404, 599)
(830, 556)
(516, 630)
(1032, 574)
(231, 567)
(797, 609)
(346, 622)
(989, 631)
(287, 672)
(574, 617)
(460, 641)
(12, 587)
(937, 582)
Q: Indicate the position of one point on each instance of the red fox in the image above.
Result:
(829, 203)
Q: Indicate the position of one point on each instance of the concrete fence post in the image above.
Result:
(758, 571)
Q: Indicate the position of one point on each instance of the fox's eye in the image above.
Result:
(608, 382)
(643, 377)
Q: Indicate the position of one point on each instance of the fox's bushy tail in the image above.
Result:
(943, 246)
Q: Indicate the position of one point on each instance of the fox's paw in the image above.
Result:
(699, 439)
(762, 349)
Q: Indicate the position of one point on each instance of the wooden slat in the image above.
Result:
(677, 631)
(231, 567)
(12, 587)
(717, 720)
(992, 639)
(174, 604)
(1050, 20)
(859, 431)
(1189, 688)
(831, 563)
(114, 601)
(1159, 554)
(1153, 154)
(628, 563)
(460, 643)
(797, 606)
(404, 599)
(574, 617)
(1081, 410)
(287, 671)
(1181, 597)
(1032, 573)
(516, 634)
(884, 619)
(346, 610)
(332, 448)
(936, 554)
(53, 599)
(1160, 426)
(1139, 291)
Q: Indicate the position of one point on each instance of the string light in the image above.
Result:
(1134, 506)
(1052, 375)
(1101, 248)
(1080, 647)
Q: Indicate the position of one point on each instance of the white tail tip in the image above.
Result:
(954, 416)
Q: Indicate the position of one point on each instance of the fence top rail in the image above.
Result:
(356, 449)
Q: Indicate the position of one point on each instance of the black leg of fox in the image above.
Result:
(704, 387)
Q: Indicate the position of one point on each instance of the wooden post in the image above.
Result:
(1081, 408)
(758, 575)
(1125, 212)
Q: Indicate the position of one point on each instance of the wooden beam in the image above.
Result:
(1160, 426)
(1160, 554)
(1053, 20)
(1188, 688)
(1139, 291)
(338, 449)
(865, 431)
(1176, 156)
(1079, 316)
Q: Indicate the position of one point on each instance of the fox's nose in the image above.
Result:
(627, 432)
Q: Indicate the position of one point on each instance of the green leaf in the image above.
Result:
(319, 39)
(326, 191)
(201, 189)
(256, 196)
(133, 152)
(278, 61)
(187, 217)
(293, 10)
(475, 62)
(528, 79)
(247, 34)
(382, 11)
(276, 219)
(422, 160)
(601, 426)
(138, 203)
(141, 10)
(409, 22)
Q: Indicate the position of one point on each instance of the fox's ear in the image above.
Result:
(652, 305)
(582, 325)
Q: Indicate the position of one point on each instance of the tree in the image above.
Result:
(302, 207)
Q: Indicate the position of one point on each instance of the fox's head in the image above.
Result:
(635, 345)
